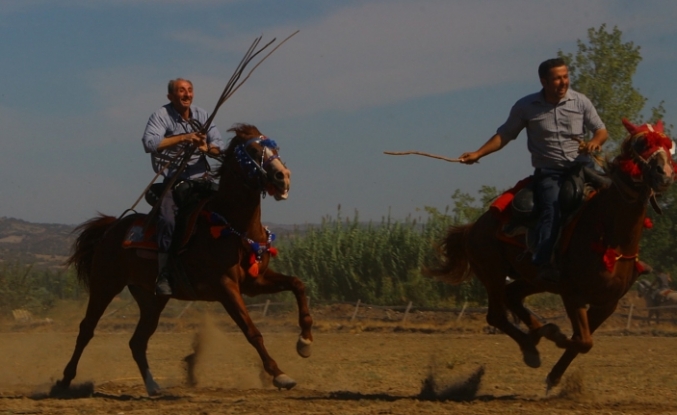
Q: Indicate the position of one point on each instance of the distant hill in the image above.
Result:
(48, 245)
(41, 244)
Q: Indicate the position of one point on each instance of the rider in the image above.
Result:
(555, 118)
(168, 132)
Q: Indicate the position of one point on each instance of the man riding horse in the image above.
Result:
(170, 131)
(556, 118)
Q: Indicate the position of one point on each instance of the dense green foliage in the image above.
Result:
(21, 286)
(344, 260)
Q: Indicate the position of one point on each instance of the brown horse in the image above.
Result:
(216, 269)
(598, 264)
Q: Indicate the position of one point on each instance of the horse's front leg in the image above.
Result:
(271, 282)
(234, 304)
(594, 317)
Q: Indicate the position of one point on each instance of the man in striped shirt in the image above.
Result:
(555, 117)
(169, 132)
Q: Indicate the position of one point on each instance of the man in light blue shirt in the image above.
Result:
(555, 119)
(169, 132)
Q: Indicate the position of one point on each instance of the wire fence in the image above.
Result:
(629, 312)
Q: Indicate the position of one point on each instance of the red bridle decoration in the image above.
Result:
(654, 140)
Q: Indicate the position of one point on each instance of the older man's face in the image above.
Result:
(182, 96)
(556, 84)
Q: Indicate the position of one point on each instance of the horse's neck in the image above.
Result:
(623, 215)
(240, 206)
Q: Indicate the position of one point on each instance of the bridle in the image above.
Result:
(255, 169)
(631, 194)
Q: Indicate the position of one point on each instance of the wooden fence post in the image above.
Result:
(627, 325)
(265, 308)
(462, 311)
(406, 312)
(357, 307)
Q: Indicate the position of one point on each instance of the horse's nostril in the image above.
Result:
(279, 176)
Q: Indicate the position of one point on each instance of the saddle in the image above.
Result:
(518, 214)
(191, 196)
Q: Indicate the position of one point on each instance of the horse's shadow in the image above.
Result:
(357, 396)
(86, 390)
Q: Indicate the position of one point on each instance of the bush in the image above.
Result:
(22, 286)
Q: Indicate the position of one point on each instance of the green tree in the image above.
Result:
(603, 69)
(466, 210)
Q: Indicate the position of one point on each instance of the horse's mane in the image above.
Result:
(241, 132)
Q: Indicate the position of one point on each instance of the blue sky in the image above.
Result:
(82, 77)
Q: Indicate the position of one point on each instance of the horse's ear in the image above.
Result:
(658, 127)
(632, 128)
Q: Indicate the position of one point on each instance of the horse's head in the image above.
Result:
(646, 156)
(256, 161)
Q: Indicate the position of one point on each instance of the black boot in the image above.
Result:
(162, 287)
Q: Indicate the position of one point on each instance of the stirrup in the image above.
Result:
(162, 286)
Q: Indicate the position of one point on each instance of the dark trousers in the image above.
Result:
(166, 222)
(547, 183)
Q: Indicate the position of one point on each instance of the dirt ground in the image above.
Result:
(367, 366)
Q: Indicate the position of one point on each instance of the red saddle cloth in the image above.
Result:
(501, 206)
(140, 238)
(137, 237)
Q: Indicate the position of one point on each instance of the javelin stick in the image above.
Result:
(421, 153)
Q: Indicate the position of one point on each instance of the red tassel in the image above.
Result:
(273, 251)
(647, 223)
(639, 267)
(609, 259)
(254, 266)
(216, 231)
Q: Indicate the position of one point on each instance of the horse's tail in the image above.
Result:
(91, 233)
(453, 266)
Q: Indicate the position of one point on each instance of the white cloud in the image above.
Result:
(381, 52)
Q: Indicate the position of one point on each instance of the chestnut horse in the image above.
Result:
(217, 269)
(598, 264)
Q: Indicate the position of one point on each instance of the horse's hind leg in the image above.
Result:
(99, 298)
(233, 303)
(272, 282)
(150, 307)
(497, 317)
(515, 293)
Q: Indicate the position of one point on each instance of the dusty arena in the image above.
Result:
(424, 365)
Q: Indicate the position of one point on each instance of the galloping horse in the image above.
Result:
(598, 264)
(226, 257)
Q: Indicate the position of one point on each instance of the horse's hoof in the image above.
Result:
(152, 388)
(532, 359)
(303, 347)
(550, 383)
(283, 381)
